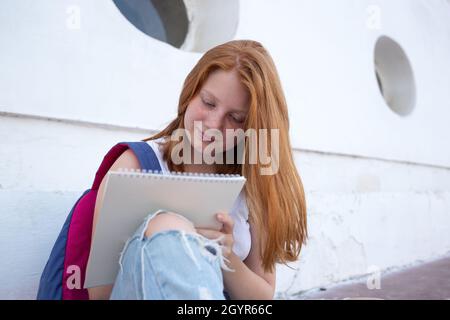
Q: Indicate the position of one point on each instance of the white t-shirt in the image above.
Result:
(239, 211)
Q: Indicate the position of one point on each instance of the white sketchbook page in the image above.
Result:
(130, 197)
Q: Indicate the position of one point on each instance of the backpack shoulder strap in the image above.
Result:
(145, 154)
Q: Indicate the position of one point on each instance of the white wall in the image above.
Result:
(377, 183)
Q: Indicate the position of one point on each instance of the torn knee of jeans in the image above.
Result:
(211, 249)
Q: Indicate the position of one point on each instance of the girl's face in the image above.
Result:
(222, 103)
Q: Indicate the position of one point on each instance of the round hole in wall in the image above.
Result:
(160, 19)
(394, 76)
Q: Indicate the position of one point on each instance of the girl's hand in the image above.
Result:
(226, 233)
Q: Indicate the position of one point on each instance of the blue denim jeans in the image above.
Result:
(170, 264)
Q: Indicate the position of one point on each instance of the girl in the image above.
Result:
(233, 86)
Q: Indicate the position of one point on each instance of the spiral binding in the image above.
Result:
(176, 175)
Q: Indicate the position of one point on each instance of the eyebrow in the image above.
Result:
(218, 100)
(213, 96)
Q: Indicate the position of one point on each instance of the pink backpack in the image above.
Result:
(70, 252)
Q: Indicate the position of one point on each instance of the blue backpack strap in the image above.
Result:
(145, 154)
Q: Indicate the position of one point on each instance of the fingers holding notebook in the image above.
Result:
(225, 235)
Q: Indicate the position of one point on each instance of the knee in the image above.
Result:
(168, 221)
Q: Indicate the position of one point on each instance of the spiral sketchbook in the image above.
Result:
(130, 196)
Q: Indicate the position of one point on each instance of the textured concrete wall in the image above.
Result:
(367, 216)
(77, 77)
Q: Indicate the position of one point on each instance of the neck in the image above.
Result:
(200, 168)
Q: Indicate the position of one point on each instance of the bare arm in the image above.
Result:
(126, 160)
(249, 281)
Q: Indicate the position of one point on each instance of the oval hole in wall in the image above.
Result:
(394, 76)
(190, 25)
(163, 20)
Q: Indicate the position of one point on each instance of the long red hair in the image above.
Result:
(276, 203)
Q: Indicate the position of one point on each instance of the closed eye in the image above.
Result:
(237, 120)
(208, 104)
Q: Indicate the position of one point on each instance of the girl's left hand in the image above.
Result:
(226, 233)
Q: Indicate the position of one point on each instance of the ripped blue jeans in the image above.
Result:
(170, 264)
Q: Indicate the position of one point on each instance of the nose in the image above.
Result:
(216, 121)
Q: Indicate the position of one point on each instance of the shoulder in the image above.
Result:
(126, 160)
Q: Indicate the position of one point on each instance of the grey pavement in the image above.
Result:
(427, 281)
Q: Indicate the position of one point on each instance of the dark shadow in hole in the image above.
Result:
(160, 19)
